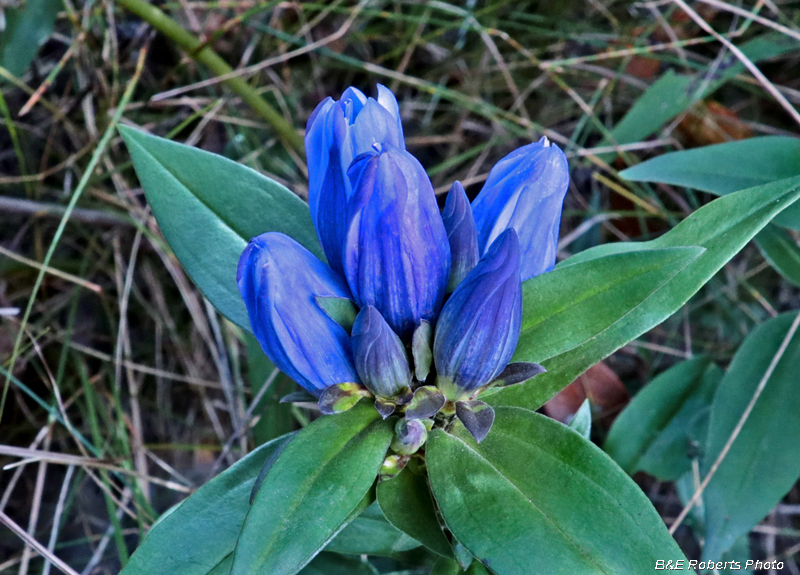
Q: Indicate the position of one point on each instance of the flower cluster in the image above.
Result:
(418, 308)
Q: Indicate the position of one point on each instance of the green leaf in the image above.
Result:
(407, 503)
(572, 304)
(27, 28)
(672, 93)
(208, 208)
(339, 309)
(723, 227)
(655, 431)
(764, 461)
(312, 491)
(333, 564)
(781, 251)
(202, 531)
(371, 534)
(536, 497)
(726, 168)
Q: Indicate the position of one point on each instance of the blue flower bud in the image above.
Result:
(525, 191)
(280, 280)
(396, 256)
(461, 233)
(381, 359)
(336, 133)
(478, 329)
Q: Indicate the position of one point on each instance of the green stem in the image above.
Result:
(196, 49)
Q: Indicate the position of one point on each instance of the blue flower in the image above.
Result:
(381, 359)
(280, 280)
(336, 133)
(525, 191)
(396, 256)
(461, 234)
(478, 329)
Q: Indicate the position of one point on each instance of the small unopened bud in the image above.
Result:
(409, 436)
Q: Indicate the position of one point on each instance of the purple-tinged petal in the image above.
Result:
(461, 233)
(380, 357)
(478, 329)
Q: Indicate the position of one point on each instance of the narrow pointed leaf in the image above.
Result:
(654, 432)
(764, 462)
(572, 304)
(550, 500)
(726, 168)
(201, 533)
(312, 491)
(723, 227)
(780, 249)
(407, 503)
(208, 207)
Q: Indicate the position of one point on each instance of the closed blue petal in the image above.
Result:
(397, 256)
(479, 326)
(381, 359)
(336, 133)
(461, 233)
(279, 281)
(525, 191)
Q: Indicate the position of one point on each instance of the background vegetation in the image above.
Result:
(122, 390)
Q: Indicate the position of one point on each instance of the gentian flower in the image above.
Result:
(392, 257)
(478, 329)
(525, 191)
(336, 133)
(461, 234)
(396, 256)
(381, 358)
(280, 280)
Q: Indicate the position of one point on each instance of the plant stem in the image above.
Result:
(196, 49)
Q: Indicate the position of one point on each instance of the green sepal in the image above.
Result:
(582, 420)
(393, 465)
(421, 345)
(427, 402)
(385, 406)
(341, 397)
(298, 397)
(518, 372)
(476, 416)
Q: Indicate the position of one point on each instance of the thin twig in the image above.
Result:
(41, 549)
(768, 86)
